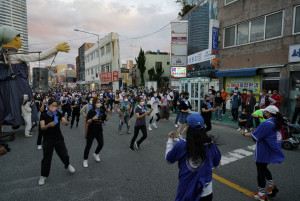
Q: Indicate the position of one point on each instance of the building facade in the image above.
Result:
(81, 64)
(127, 73)
(14, 13)
(255, 39)
(108, 70)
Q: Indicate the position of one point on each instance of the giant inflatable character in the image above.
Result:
(14, 75)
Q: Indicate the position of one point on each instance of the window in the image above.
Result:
(103, 69)
(158, 64)
(242, 33)
(168, 63)
(296, 20)
(108, 48)
(274, 25)
(102, 51)
(97, 53)
(229, 1)
(257, 29)
(92, 57)
(92, 71)
(229, 38)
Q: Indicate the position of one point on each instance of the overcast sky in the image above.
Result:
(53, 21)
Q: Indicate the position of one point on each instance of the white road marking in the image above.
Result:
(236, 154)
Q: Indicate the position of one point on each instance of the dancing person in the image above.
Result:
(95, 117)
(140, 124)
(268, 150)
(124, 111)
(53, 139)
(165, 104)
(206, 112)
(26, 108)
(66, 106)
(154, 102)
(84, 110)
(75, 105)
(196, 156)
(224, 97)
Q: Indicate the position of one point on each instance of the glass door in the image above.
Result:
(194, 96)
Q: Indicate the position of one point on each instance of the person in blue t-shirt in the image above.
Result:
(268, 150)
(196, 157)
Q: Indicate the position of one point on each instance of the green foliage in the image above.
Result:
(151, 73)
(140, 61)
(186, 8)
(155, 74)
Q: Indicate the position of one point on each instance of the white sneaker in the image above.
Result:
(85, 163)
(180, 136)
(246, 131)
(154, 124)
(176, 139)
(113, 110)
(97, 157)
(136, 146)
(239, 129)
(39, 147)
(42, 180)
(149, 128)
(176, 125)
(28, 136)
(71, 169)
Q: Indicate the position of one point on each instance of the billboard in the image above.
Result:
(179, 27)
(178, 72)
(179, 39)
(200, 57)
(106, 77)
(178, 60)
(250, 83)
(179, 50)
(115, 76)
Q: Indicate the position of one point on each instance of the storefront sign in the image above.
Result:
(178, 60)
(294, 53)
(115, 76)
(250, 83)
(213, 36)
(179, 40)
(178, 72)
(200, 57)
(106, 77)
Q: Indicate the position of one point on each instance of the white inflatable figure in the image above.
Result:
(26, 113)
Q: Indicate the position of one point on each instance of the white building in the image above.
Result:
(109, 50)
(14, 13)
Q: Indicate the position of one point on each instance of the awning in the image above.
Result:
(237, 73)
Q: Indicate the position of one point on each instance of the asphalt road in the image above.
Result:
(123, 175)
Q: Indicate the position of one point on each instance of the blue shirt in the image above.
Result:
(268, 143)
(193, 174)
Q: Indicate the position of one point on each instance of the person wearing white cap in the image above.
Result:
(196, 157)
(268, 150)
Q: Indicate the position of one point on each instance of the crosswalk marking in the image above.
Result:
(236, 154)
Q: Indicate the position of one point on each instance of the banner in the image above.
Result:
(106, 77)
(178, 72)
(115, 76)
(178, 60)
(250, 83)
(200, 57)
(179, 40)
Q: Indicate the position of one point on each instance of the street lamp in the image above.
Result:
(98, 50)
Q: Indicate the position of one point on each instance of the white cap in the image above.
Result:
(272, 109)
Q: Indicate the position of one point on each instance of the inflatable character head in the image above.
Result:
(9, 37)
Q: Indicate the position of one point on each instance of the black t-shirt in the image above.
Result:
(66, 106)
(218, 100)
(76, 109)
(96, 125)
(141, 111)
(185, 104)
(205, 115)
(53, 131)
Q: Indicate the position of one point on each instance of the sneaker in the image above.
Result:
(180, 136)
(246, 131)
(97, 157)
(128, 132)
(71, 169)
(176, 125)
(28, 136)
(176, 139)
(85, 163)
(239, 129)
(39, 147)
(154, 124)
(258, 197)
(137, 146)
(272, 190)
(149, 128)
(229, 117)
(42, 180)
(119, 133)
(131, 149)
(71, 127)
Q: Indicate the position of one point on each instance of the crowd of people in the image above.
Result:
(61, 106)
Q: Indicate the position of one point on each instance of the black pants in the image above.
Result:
(75, 115)
(208, 124)
(295, 115)
(89, 141)
(110, 104)
(224, 107)
(68, 111)
(40, 136)
(263, 173)
(136, 133)
(257, 122)
(157, 118)
(235, 113)
(49, 144)
(207, 198)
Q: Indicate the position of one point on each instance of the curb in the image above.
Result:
(224, 124)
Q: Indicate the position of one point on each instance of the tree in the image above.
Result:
(155, 74)
(185, 8)
(151, 73)
(140, 61)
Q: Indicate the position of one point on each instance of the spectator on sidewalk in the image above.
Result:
(218, 106)
(297, 109)
(277, 98)
(236, 102)
(213, 90)
(224, 96)
(250, 101)
(230, 101)
(244, 98)
(245, 121)
(265, 100)
(211, 97)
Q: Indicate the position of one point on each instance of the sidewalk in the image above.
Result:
(225, 121)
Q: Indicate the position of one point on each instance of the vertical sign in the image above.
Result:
(213, 37)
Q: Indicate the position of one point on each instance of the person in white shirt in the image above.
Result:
(154, 102)
(26, 113)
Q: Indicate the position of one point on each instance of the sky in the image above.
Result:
(53, 21)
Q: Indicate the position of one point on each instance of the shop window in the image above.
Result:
(242, 33)
(274, 25)
(257, 29)
(229, 38)
(296, 28)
